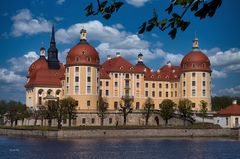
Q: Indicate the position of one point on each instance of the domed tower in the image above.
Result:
(82, 74)
(196, 77)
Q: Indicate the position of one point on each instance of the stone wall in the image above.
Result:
(116, 133)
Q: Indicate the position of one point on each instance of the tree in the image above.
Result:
(185, 108)
(102, 108)
(204, 109)
(70, 105)
(52, 108)
(42, 112)
(126, 107)
(148, 109)
(61, 113)
(3, 110)
(176, 11)
(167, 109)
(13, 111)
(24, 113)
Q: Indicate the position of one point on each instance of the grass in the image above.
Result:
(46, 128)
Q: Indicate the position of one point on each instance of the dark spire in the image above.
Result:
(53, 62)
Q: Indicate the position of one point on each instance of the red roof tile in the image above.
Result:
(232, 110)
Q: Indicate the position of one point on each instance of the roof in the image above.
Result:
(82, 54)
(40, 75)
(232, 110)
(196, 61)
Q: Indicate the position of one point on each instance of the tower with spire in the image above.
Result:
(53, 62)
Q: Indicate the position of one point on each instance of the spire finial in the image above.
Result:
(53, 35)
(83, 34)
(195, 42)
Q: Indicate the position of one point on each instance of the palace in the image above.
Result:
(83, 77)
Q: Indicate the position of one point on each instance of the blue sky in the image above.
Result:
(26, 26)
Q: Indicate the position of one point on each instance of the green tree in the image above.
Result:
(185, 109)
(42, 112)
(204, 109)
(148, 109)
(174, 19)
(13, 111)
(52, 108)
(71, 108)
(3, 110)
(126, 107)
(24, 113)
(102, 108)
(167, 109)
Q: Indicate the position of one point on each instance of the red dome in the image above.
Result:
(195, 61)
(82, 54)
(40, 63)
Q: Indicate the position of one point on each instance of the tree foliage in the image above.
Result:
(102, 108)
(167, 109)
(221, 102)
(203, 109)
(126, 107)
(185, 108)
(148, 109)
(176, 11)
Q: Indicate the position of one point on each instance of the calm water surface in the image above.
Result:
(159, 148)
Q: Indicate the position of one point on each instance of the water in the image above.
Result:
(149, 148)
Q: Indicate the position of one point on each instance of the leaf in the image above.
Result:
(173, 33)
(107, 16)
(150, 27)
(184, 25)
(175, 15)
(142, 28)
(118, 5)
(103, 4)
(195, 6)
(163, 23)
(89, 9)
(169, 9)
(202, 13)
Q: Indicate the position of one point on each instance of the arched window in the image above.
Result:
(193, 65)
(89, 59)
(77, 59)
(49, 92)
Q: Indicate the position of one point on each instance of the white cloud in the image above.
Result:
(25, 23)
(60, 2)
(218, 74)
(231, 91)
(8, 76)
(137, 3)
(58, 19)
(21, 64)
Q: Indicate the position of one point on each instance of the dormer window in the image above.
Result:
(193, 65)
(203, 65)
(89, 59)
(76, 59)
(83, 52)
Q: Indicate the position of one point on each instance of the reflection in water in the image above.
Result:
(170, 148)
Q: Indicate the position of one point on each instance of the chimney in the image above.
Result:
(234, 102)
(118, 54)
(108, 57)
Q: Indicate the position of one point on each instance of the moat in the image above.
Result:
(128, 148)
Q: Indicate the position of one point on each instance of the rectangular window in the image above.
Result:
(184, 92)
(167, 94)
(153, 85)
(67, 79)
(160, 94)
(193, 74)
(175, 85)
(115, 105)
(146, 85)
(167, 86)
(76, 89)
(171, 94)
(153, 94)
(116, 75)
(89, 79)
(83, 120)
(204, 74)
(137, 105)
(67, 90)
(76, 69)
(107, 83)
(137, 84)
(76, 79)
(93, 120)
(88, 103)
(160, 85)
(88, 89)
(88, 69)
(107, 93)
(116, 84)
(175, 93)
(193, 105)
(193, 83)
(146, 93)
(226, 120)
(110, 120)
(100, 83)
(193, 92)
(40, 100)
(172, 85)
(137, 76)
(204, 83)
(204, 92)
(184, 84)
